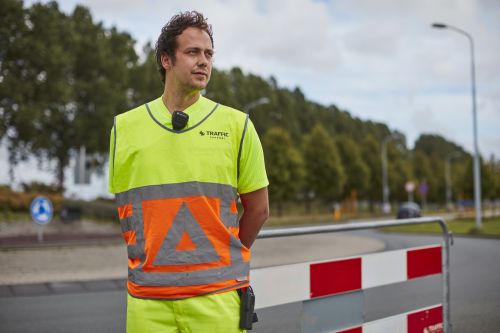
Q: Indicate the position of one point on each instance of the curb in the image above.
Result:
(58, 288)
(58, 240)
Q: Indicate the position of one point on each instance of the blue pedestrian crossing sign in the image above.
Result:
(41, 210)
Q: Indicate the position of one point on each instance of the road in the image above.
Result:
(475, 295)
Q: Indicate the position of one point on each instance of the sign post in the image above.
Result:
(410, 187)
(41, 213)
(423, 189)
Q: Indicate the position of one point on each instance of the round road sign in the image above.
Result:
(41, 210)
(410, 186)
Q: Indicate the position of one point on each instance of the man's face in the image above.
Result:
(193, 61)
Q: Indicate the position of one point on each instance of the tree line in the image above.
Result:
(63, 77)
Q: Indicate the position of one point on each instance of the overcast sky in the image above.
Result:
(378, 59)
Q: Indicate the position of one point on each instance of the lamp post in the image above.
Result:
(447, 176)
(257, 102)
(386, 207)
(477, 171)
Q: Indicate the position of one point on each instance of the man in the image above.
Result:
(177, 166)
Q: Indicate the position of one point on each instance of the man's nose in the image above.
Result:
(203, 61)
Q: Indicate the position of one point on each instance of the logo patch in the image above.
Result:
(215, 134)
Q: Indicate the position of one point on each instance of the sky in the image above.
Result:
(379, 60)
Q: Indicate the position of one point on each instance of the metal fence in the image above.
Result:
(354, 226)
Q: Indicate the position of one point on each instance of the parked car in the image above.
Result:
(408, 210)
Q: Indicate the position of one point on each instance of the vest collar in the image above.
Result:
(197, 111)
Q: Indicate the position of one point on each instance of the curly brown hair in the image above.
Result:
(167, 41)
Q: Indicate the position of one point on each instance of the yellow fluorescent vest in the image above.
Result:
(176, 194)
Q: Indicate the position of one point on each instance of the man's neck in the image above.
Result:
(177, 101)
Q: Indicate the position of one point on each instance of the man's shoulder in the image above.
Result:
(132, 114)
(231, 112)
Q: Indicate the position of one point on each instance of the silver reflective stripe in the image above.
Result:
(241, 146)
(167, 191)
(114, 143)
(184, 222)
(138, 225)
(228, 218)
(200, 277)
(235, 247)
(126, 224)
(134, 251)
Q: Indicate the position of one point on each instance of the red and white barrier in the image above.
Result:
(426, 320)
(299, 282)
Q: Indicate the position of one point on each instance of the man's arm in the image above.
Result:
(255, 213)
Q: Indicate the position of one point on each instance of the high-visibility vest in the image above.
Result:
(176, 194)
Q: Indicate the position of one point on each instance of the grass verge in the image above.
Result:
(282, 221)
(490, 227)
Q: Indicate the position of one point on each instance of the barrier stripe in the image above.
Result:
(353, 330)
(335, 277)
(299, 282)
(428, 320)
(280, 284)
(384, 268)
(423, 262)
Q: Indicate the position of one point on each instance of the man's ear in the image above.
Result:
(166, 62)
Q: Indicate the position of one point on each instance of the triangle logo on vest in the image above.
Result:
(186, 242)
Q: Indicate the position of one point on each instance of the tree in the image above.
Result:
(370, 151)
(435, 144)
(40, 111)
(430, 154)
(487, 180)
(145, 79)
(496, 171)
(13, 27)
(355, 169)
(284, 165)
(325, 175)
(12, 47)
(103, 62)
(65, 78)
(399, 169)
(423, 173)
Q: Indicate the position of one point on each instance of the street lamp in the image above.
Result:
(257, 102)
(477, 171)
(386, 207)
(447, 176)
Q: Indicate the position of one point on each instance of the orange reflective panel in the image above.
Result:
(234, 209)
(245, 254)
(200, 215)
(125, 211)
(184, 291)
(129, 237)
(133, 262)
(235, 231)
(185, 244)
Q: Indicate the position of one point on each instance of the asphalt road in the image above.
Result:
(475, 295)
